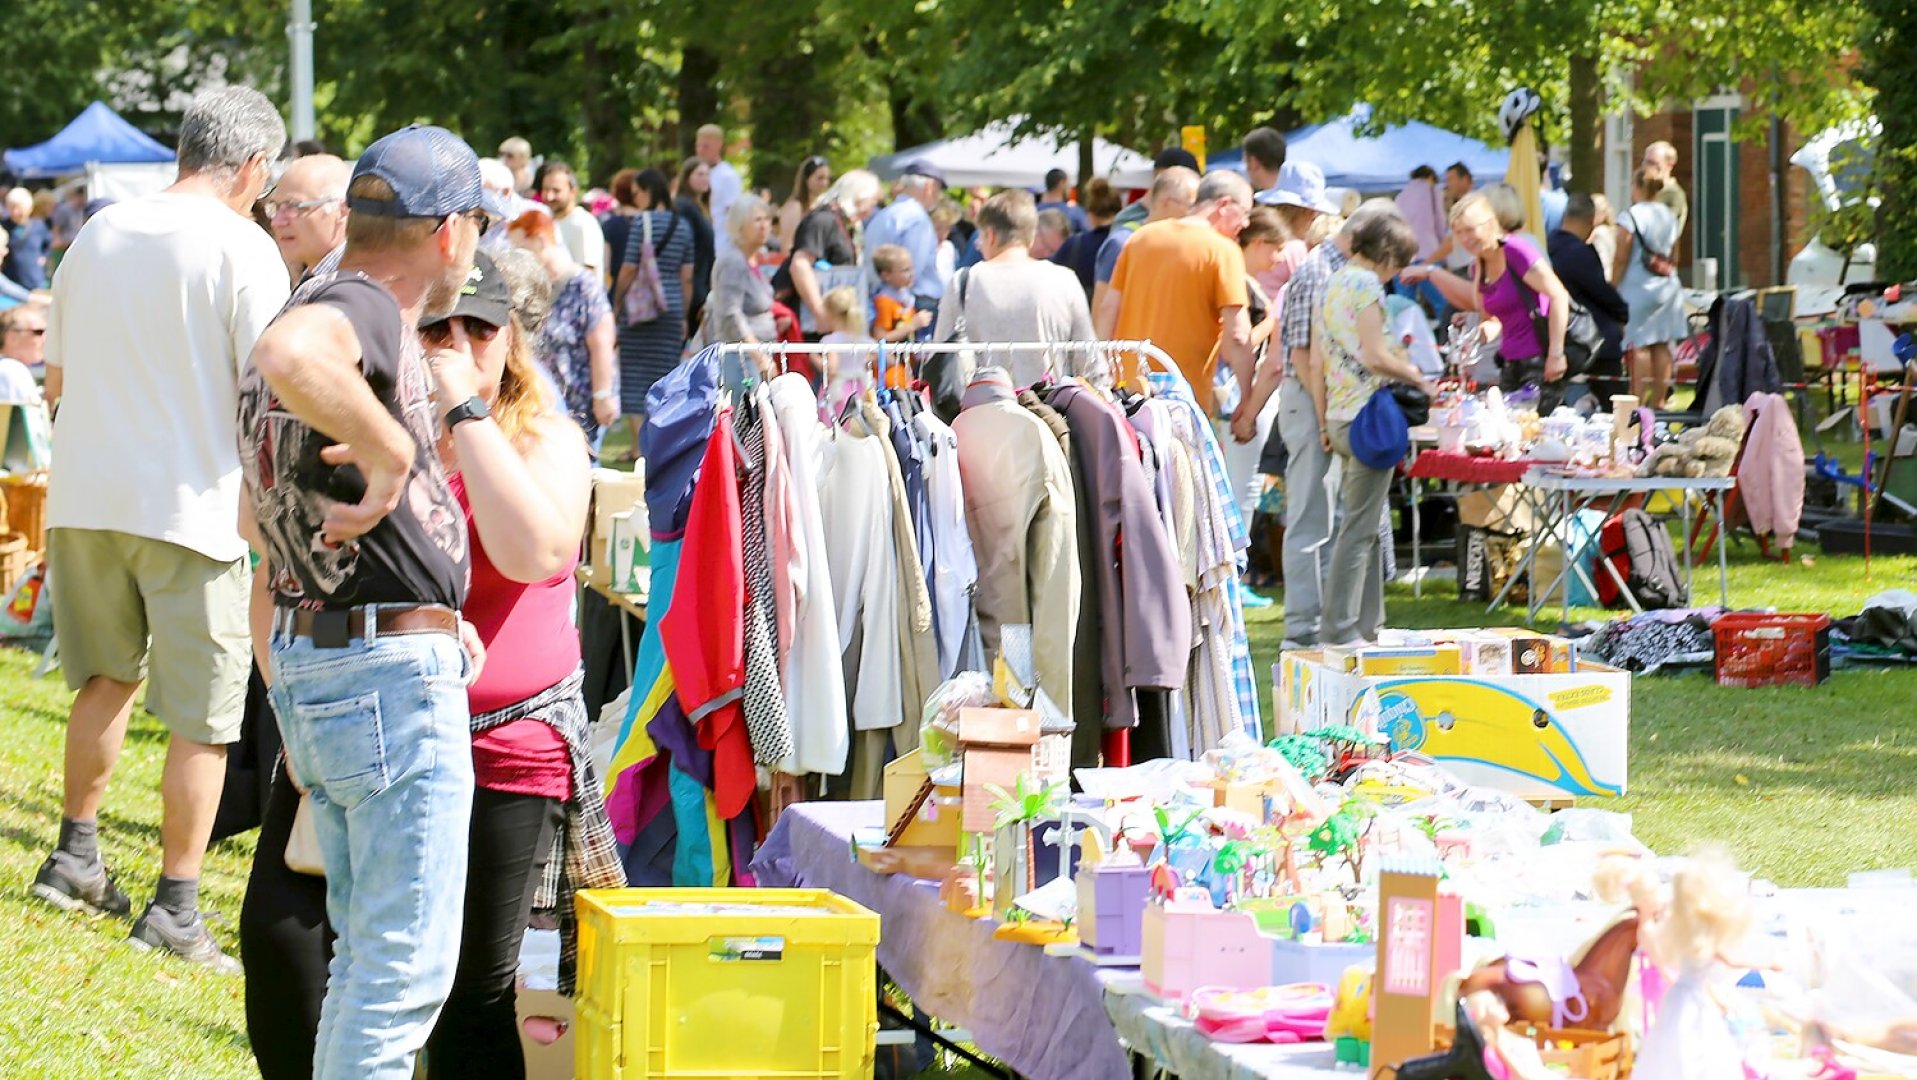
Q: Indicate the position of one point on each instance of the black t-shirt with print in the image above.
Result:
(821, 235)
(418, 553)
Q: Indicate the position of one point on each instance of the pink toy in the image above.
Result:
(1187, 943)
(1279, 1014)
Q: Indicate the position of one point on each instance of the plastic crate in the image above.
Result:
(712, 983)
(1755, 649)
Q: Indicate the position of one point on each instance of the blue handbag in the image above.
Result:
(1379, 436)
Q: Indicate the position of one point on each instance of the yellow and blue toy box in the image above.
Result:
(1537, 736)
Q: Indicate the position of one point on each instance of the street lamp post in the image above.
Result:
(300, 29)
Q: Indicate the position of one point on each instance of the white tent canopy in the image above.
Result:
(994, 158)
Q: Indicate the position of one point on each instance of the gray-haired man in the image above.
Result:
(156, 306)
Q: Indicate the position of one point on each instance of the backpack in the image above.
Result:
(645, 301)
(1639, 548)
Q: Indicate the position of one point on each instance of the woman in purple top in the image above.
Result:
(1501, 262)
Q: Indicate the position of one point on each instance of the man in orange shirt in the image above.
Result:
(1181, 284)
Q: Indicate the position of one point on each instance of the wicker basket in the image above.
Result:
(1590, 1055)
(26, 508)
(15, 561)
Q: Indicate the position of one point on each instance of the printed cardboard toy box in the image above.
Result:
(1540, 736)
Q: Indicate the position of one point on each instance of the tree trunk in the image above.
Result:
(606, 124)
(915, 119)
(785, 125)
(1890, 50)
(1087, 166)
(1587, 128)
(698, 93)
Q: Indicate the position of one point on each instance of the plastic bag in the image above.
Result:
(27, 619)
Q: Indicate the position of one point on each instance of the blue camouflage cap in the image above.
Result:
(433, 173)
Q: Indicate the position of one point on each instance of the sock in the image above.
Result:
(180, 895)
(80, 839)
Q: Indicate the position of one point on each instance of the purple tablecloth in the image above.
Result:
(1042, 1015)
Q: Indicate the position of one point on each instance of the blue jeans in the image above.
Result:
(378, 732)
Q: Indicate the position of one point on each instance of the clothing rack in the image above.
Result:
(984, 350)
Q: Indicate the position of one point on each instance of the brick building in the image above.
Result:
(1730, 178)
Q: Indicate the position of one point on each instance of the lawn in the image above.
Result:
(1803, 785)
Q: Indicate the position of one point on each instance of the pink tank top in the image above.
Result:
(531, 644)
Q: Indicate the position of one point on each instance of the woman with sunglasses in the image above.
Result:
(815, 175)
(524, 494)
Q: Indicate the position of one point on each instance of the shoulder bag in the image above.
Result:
(645, 301)
(1659, 264)
(1582, 338)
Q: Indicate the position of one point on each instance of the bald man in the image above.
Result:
(308, 211)
(1172, 193)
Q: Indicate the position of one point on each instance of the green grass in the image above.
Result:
(75, 998)
(1803, 785)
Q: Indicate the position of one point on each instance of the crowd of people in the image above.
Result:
(385, 382)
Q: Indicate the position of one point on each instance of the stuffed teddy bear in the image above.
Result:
(1701, 451)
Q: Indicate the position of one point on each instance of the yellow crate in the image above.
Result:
(723, 983)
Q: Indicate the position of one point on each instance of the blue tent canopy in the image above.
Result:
(98, 134)
(1381, 162)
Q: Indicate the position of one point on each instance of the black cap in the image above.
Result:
(484, 296)
(1174, 155)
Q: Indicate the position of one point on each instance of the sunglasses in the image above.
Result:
(478, 216)
(441, 332)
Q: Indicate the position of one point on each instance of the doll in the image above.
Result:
(1707, 917)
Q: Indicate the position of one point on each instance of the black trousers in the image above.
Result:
(285, 942)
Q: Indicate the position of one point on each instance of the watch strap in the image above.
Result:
(473, 408)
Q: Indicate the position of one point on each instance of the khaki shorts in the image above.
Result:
(130, 608)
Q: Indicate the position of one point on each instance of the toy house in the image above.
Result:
(1186, 943)
(1111, 908)
(1420, 943)
(995, 746)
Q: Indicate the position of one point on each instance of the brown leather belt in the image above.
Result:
(333, 629)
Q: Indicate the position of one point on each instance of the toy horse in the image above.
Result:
(1586, 994)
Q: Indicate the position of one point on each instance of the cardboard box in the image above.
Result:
(1540, 736)
(614, 493)
(1538, 654)
(1500, 509)
(1484, 654)
(1441, 659)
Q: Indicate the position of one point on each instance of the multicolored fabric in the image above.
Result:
(1216, 488)
(767, 725)
(1306, 290)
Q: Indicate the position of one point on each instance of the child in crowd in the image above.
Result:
(896, 315)
(846, 375)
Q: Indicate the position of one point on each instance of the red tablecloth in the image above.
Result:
(1465, 469)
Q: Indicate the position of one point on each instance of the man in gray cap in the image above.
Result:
(908, 223)
(356, 604)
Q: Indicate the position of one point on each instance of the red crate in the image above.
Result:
(1754, 649)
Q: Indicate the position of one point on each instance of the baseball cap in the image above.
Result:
(483, 297)
(1174, 155)
(1300, 183)
(433, 173)
(922, 167)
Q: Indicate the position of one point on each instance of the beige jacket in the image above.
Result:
(1020, 506)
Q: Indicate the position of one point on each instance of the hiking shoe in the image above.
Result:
(185, 936)
(70, 885)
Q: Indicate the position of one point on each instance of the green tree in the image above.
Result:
(1890, 59)
(1451, 64)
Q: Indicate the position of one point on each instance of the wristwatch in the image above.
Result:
(473, 408)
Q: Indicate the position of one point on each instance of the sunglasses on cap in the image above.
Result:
(441, 332)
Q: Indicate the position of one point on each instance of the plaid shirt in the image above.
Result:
(585, 855)
(1210, 460)
(1307, 291)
